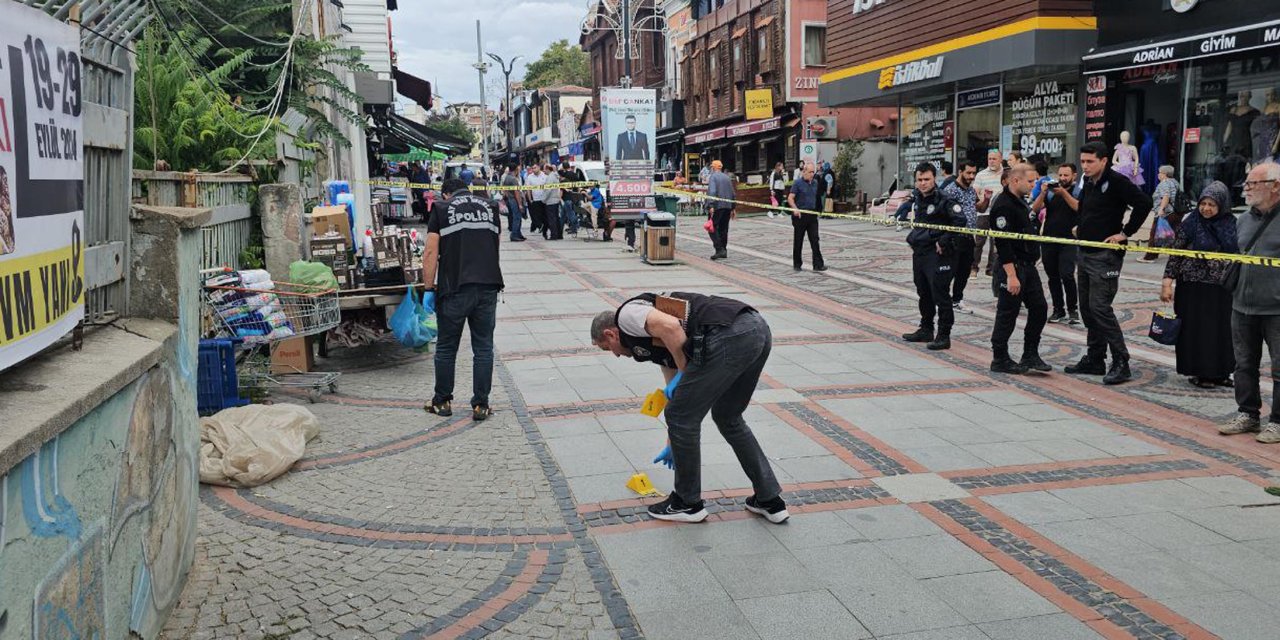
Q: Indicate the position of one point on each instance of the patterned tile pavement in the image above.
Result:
(930, 498)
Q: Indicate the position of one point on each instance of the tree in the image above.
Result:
(561, 63)
(846, 168)
(452, 127)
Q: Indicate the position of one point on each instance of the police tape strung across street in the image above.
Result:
(889, 222)
(487, 187)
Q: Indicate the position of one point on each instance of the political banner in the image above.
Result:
(41, 183)
(629, 139)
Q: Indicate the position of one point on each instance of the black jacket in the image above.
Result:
(1011, 214)
(1103, 204)
(936, 208)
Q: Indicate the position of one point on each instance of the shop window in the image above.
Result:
(713, 69)
(1041, 115)
(1232, 120)
(737, 60)
(923, 137)
(763, 56)
(815, 45)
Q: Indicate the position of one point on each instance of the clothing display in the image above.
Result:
(1263, 132)
(1150, 155)
(1239, 125)
(1127, 164)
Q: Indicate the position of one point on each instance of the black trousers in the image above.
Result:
(805, 225)
(964, 262)
(932, 274)
(1009, 306)
(537, 217)
(720, 218)
(1060, 267)
(1099, 282)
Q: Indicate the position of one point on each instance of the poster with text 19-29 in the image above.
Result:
(41, 183)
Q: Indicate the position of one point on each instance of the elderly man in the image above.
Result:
(719, 347)
(1255, 306)
(987, 186)
(805, 197)
(720, 203)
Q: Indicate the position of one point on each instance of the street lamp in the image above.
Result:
(506, 68)
(482, 67)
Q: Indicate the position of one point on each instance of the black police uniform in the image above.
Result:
(1011, 214)
(933, 271)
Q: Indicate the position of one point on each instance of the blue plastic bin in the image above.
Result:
(217, 387)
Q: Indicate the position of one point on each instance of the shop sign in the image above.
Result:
(704, 136)
(911, 72)
(924, 130)
(865, 5)
(628, 141)
(1042, 120)
(759, 104)
(808, 151)
(748, 128)
(986, 97)
(1192, 135)
(1218, 43)
(1095, 109)
(41, 183)
(1167, 73)
(948, 134)
(1183, 6)
(589, 129)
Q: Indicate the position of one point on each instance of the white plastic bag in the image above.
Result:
(248, 446)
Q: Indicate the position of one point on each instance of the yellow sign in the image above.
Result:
(39, 291)
(759, 104)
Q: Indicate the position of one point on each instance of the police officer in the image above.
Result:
(1017, 279)
(933, 257)
(719, 347)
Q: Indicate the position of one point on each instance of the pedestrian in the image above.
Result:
(467, 175)
(1255, 305)
(961, 191)
(804, 196)
(553, 200)
(515, 203)
(933, 258)
(1060, 219)
(778, 184)
(712, 351)
(537, 200)
(799, 171)
(1018, 280)
(720, 208)
(827, 191)
(987, 184)
(570, 196)
(1165, 198)
(704, 176)
(1105, 198)
(462, 261)
(948, 174)
(1201, 302)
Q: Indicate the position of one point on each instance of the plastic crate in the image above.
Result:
(216, 385)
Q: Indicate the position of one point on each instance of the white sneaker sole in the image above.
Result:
(776, 518)
(697, 516)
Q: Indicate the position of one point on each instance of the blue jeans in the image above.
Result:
(514, 217)
(477, 307)
(568, 216)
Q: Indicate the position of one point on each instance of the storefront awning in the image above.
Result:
(416, 135)
(1201, 45)
(1049, 42)
(413, 88)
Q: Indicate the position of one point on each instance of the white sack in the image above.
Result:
(248, 446)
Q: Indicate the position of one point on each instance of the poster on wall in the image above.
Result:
(1095, 108)
(924, 134)
(629, 138)
(41, 183)
(1043, 120)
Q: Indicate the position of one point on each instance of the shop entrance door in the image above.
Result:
(977, 132)
(1150, 110)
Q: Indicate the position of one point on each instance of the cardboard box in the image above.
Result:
(386, 252)
(413, 276)
(292, 356)
(326, 220)
(331, 252)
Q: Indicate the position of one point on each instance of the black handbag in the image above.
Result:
(1165, 328)
(1231, 279)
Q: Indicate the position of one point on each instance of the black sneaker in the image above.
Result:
(774, 511)
(1007, 365)
(820, 269)
(919, 335)
(1087, 367)
(443, 409)
(941, 343)
(673, 509)
(1119, 373)
(1058, 317)
(481, 412)
(1035, 363)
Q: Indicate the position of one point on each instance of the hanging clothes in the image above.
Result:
(1150, 156)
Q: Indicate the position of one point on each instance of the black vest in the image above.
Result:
(705, 312)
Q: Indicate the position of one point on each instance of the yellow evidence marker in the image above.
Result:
(640, 484)
(654, 403)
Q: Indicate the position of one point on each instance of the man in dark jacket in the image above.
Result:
(933, 257)
(1105, 198)
(1017, 278)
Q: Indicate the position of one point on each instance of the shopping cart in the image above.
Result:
(263, 318)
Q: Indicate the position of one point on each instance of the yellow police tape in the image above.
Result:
(488, 187)
(890, 222)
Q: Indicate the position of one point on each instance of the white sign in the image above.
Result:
(41, 183)
(628, 142)
(865, 5)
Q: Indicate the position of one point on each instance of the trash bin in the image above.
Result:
(659, 245)
(667, 203)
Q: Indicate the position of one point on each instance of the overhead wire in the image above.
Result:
(238, 29)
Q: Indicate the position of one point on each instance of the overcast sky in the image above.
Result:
(436, 39)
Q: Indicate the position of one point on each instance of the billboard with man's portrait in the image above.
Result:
(629, 143)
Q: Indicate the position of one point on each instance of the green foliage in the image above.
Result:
(453, 127)
(561, 63)
(846, 167)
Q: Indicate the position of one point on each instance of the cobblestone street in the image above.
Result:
(931, 499)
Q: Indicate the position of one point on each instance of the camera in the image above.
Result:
(1052, 184)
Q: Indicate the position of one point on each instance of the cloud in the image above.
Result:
(436, 39)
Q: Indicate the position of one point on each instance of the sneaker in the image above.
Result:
(961, 307)
(481, 412)
(1242, 423)
(820, 269)
(941, 343)
(1087, 367)
(919, 335)
(443, 409)
(1007, 365)
(1073, 317)
(1270, 435)
(1058, 317)
(1035, 363)
(673, 509)
(774, 511)
(1118, 374)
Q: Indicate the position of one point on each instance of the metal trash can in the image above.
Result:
(659, 241)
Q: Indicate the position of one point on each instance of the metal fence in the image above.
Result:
(229, 232)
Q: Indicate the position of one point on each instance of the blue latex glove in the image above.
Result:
(671, 386)
(665, 458)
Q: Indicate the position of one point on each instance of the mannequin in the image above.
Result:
(1236, 137)
(1125, 160)
(1264, 130)
(1151, 154)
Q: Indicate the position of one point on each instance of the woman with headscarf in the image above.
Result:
(1204, 349)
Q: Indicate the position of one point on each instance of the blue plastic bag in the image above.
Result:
(414, 322)
(1164, 233)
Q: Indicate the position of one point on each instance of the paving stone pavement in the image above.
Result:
(929, 497)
